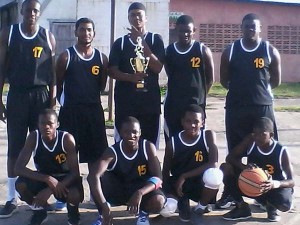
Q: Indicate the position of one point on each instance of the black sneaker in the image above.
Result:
(73, 215)
(184, 209)
(38, 217)
(238, 213)
(200, 211)
(9, 209)
(225, 202)
(272, 214)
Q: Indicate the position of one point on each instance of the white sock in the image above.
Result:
(201, 206)
(11, 181)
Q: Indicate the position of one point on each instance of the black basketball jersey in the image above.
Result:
(131, 169)
(249, 75)
(82, 83)
(127, 99)
(270, 161)
(188, 156)
(186, 80)
(51, 161)
(29, 59)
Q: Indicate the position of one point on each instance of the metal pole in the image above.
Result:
(111, 81)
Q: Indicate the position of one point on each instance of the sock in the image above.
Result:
(11, 181)
(36, 208)
(201, 206)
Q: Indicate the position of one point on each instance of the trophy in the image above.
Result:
(140, 64)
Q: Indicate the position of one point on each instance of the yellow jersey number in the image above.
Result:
(259, 63)
(270, 169)
(37, 51)
(95, 70)
(61, 158)
(142, 170)
(195, 62)
(198, 156)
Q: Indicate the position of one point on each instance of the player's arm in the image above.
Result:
(3, 51)
(21, 168)
(52, 86)
(209, 67)
(275, 67)
(167, 164)
(61, 66)
(235, 156)
(224, 68)
(288, 169)
(105, 72)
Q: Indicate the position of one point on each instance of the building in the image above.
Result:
(218, 24)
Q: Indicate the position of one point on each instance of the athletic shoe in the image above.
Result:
(60, 206)
(38, 217)
(184, 209)
(272, 214)
(143, 219)
(224, 202)
(98, 221)
(73, 215)
(238, 213)
(9, 209)
(199, 211)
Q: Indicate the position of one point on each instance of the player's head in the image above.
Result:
(137, 15)
(130, 132)
(263, 131)
(251, 26)
(192, 119)
(30, 10)
(185, 29)
(48, 123)
(85, 30)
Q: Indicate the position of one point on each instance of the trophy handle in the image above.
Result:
(132, 62)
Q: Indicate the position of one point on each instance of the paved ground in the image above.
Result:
(289, 131)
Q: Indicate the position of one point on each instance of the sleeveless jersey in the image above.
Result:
(188, 156)
(82, 82)
(270, 161)
(127, 99)
(249, 75)
(29, 59)
(186, 80)
(131, 169)
(51, 161)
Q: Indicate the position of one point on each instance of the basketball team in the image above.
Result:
(129, 172)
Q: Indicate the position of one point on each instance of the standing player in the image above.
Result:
(55, 158)
(190, 69)
(263, 151)
(81, 76)
(145, 106)
(250, 68)
(189, 155)
(26, 60)
(133, 177)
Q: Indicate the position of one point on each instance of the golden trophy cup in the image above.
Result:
(140, 64)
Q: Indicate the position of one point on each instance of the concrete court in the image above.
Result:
(289, 131)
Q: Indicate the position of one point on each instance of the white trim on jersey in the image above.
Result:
(125, 156)
(268, 51)
(186, 51)
(231, 51)
(10, 34)
(116, 160)
(48, 39)
(189, 144)
(31, 37)
(62, 142)
(145, 150)
(81, 57)
(36, 143)
(250, 50)
(54, 146)
(173, 145)
(204, 140)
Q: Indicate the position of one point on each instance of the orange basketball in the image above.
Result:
(250, 180)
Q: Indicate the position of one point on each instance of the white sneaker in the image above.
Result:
(143, 219)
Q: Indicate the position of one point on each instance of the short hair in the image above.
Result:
(265, 124)
(137, 5)
(195, 109)
(50, 112)
(129, 119)
(184, 20)
(250, 16)
(25, 2)
(84, 20)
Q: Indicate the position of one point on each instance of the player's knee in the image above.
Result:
(21, 187)
(284, 207)
(156, 203)
(213, 178)
(227, 169)
(169, 207)
(74, 196)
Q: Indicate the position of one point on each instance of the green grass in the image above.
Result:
(285, 90)
(291, 108)
(109, 123)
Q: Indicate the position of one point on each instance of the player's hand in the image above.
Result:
(40, 200)
(266, 186)
(179, 185)
(2, 113)
(134, 33)
(106, 214)
(134, 202)
(137, 77)
(61, 191)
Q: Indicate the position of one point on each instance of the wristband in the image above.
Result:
(156, 181)
(276, 183)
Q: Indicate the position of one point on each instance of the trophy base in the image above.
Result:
(140, 87)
